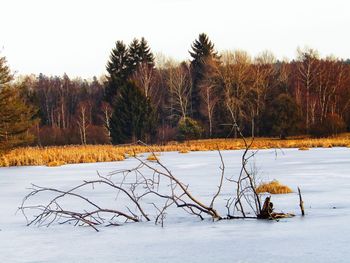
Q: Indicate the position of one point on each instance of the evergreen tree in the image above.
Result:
(123, 63)
(5, 75)
(144, 53)
(118, 70)
(188, 129)
(15, 116)
(133, 55)
(202, 51)
(117, 65)
(283, 116)
(133, 117)
(139, 53)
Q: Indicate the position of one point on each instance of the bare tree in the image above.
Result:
(263, 70)
(107, 115)
(83, 122)
(307, 68)
(144, 77)
(179, 85)
(236, 76)
(330, 80)
(209, 90)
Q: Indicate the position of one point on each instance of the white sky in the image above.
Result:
(76, 36)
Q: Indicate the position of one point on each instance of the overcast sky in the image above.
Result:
(76, 36)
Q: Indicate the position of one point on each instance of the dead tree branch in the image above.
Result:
(301, 203)
(147, 191)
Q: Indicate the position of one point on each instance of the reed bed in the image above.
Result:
(60, 155)
(273, 187)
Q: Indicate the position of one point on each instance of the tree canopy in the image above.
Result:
(210, 92)
(133, 116)
(204, 57)
(16, 117)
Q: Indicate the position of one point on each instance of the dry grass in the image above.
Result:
(55, 163)
(273, 187)
(303, 149)
(153, 157)
(55, 156)
(107, 153)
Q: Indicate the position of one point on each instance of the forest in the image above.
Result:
(157, 99)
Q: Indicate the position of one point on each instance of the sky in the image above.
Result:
(76, 36)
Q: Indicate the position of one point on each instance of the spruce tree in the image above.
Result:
(133, 117)
(5, 75)
(202, 51)
(133, 55)
(140, 53)
(118, 70)
(16, 117)
(283, 116)
(144, 53)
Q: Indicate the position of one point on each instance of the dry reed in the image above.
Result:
(273, 187)
(107, 153)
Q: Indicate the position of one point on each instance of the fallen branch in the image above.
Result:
(149, 190)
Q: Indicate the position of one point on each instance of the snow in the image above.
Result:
(321, 236)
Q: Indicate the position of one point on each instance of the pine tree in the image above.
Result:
(202, 51)
(283, 116)
(144, 53)
(133, 117)
(118, 70)
(139, 53)
(5, 75)
(133, 55)
(123, 63)
(16, 117)
(117, 64)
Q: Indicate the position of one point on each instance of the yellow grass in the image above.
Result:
(54, 156)
(55, 163)
(153, 157)
(107, 153)
(303, 148)
(273, 187)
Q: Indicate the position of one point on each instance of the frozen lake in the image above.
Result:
(323, 235)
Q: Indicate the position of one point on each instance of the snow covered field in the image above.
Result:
(322, 236)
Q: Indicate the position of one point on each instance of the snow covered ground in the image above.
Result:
(323, 235)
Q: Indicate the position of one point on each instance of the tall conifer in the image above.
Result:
(16, 117)
(139, 53)
(202, 51)
(133, 117)
(118, 70)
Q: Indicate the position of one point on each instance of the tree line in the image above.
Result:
(157, 99)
